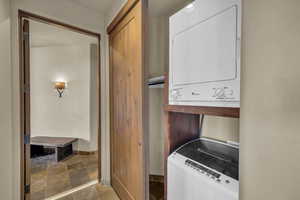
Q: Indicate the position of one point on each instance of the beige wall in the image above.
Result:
(156, 131)
(158, 45)
(94, 105)
(270, 111)
(156, 65)
(4, 10)
(221, 128)
(6, 138)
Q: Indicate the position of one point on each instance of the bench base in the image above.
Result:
(61, 153)
(61, 146)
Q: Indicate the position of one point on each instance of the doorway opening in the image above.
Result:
(60, 107)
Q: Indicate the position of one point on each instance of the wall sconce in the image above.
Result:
(60, 87)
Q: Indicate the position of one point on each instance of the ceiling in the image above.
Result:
(98, 5)
(48, 35)
(166, 7)
(156, 7)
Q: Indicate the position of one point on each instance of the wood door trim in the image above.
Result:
(45, 20)
(122, 26)
(22, 113)
(27, 15)
(122, 13)
(25, 83)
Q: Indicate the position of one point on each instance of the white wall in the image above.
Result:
(221, 128)
(157, 62)
(4, 10)
(156, 131)
(70, 13)
(270, 111)
(94, 105)
(68, 116)
(6, 138)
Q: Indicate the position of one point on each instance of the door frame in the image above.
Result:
(123, 12)
(30, 16)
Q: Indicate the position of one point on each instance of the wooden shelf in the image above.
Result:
(201, 110)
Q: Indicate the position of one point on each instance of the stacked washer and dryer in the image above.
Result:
(205, 42)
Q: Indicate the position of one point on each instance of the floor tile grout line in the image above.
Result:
(66, 193)
(51, 169)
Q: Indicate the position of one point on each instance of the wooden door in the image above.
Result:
(25, 106)
(129, 171)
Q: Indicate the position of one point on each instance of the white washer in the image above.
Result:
(203, 170)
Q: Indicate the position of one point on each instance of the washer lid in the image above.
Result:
(218, 156)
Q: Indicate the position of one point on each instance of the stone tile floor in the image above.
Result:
(49, 178)
(100, 192)
(95, 192)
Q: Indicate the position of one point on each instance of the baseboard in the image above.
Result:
(156, 178)
(85, 153)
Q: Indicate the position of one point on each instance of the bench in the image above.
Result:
(62, 146)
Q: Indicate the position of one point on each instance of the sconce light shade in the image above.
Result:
(60, 87)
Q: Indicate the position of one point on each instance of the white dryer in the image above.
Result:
(205, 45)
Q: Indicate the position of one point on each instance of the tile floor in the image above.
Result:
(99, 192)
(96, 192)
(49, 178)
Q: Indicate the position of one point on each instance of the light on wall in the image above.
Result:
(60, 87)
